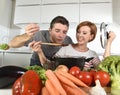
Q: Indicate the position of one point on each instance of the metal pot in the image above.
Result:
(72, 61)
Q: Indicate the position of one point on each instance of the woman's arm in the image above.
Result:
(108, 45)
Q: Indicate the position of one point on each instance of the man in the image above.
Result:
(57, 33)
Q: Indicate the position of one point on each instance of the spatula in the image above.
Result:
(54, 44)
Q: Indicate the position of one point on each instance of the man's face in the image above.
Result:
(58, 33)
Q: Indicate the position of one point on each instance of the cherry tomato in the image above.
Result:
(74, 71)
(103, 77)
(86, 77)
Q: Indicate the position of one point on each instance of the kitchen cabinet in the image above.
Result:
(27, 2)
(59, 1)
(66, 8)
(95, 11)
(43, 11)
(116, 11)
(97, 1)
(48, 12)
(27, 11)
(31, 14)
(21, 59)
(5, 12)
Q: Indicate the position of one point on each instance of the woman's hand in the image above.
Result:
(31, 29)
(35, 46)
(111, 36)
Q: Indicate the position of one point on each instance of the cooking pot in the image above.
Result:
(71, 61)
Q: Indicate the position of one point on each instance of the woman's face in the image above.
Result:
(58, 33)
(84, 35)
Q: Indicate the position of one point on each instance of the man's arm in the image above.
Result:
(19, 40)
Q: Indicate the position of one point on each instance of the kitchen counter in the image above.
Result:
(6, 91)
(25, 51)
(18, 56)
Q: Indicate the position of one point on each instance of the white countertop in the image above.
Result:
(16, 51)
(6, 91)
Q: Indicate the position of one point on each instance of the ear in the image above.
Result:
(91, 37)
(49, 29)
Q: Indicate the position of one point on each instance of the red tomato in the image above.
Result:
(17, 88)
(74, 70)
(103, 77)
(86, 77)
(92, 71)
(28, 84)
(31, 83)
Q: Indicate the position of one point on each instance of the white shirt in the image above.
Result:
(69, 51)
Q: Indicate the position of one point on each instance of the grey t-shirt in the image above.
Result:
(48, 50)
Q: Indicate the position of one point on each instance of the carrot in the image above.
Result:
(50, 87)
(44, 91)
(54, 80)
(73, 79)
(69, 85)
(65, 80)
(73, 91)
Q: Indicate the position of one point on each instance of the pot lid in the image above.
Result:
(103, 34)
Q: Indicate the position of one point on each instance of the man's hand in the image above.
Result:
(31, 29)
(35, 46)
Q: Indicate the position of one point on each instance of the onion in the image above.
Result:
(63, 68)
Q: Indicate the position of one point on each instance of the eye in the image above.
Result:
(84, 33)
(64, 32)
(57, 30)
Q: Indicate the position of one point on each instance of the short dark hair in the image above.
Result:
(59, 19)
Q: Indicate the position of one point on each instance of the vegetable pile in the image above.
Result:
(111, 64)
(89, 77)
(57, 82)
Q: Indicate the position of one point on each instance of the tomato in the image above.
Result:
(31, 83)
(74, 70)
(103, 77)
(28, 84)
(17, 88)
(92, 71)
(86, 77)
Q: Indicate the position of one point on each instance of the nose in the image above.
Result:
(61, 35)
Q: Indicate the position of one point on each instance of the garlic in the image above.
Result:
(98, 89)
